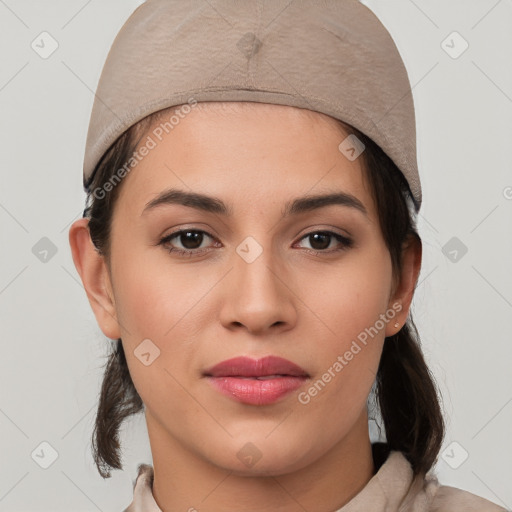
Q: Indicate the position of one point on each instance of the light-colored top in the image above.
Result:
(391, 489)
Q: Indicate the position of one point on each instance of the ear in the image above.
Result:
(405, 284)
(93, 271)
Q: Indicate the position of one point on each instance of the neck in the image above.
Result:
(183, 481)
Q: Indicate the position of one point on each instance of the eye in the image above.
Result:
(321, 240)
(191, 240)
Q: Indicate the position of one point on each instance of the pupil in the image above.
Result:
(191, 239)
(315, 237)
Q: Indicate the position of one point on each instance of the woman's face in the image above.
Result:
(250, 285)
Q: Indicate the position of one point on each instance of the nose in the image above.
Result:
(259, 294)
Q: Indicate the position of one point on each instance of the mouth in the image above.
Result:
(256, 382)
(265, 368)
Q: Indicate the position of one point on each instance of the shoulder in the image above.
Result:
(452, 499)
(426, 494)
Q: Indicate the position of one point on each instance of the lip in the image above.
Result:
(256, 381)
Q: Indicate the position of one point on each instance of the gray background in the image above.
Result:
(52, 349)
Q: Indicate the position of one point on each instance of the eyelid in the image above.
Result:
(326, 227)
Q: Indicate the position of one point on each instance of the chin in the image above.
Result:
(269, 460)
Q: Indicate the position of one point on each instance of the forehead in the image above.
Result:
(244, 151)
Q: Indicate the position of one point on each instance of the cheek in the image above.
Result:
(352, 306)
(158, 304)
(353, 294)
(154, 298)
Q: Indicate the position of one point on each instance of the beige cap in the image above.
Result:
(329, 56)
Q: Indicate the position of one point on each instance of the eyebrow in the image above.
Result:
(215, 205)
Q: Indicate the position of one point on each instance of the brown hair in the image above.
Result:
(408, 399)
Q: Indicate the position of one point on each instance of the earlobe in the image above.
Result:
(404, 290)
(93, 271)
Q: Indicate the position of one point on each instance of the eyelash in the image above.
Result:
(346, 242)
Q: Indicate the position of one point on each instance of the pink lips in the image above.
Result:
(256, 381)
